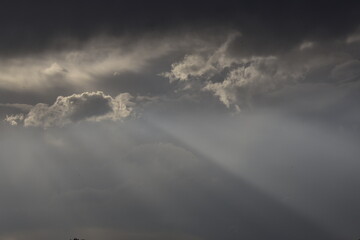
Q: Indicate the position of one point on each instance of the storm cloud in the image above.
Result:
(179, 120)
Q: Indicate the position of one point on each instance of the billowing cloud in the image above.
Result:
(204, 64)
(14, 119)
(232, 78)
(235, 78)
(92, 106)
(257, 76)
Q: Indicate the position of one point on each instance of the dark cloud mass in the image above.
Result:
(268, 24)
(196, 120)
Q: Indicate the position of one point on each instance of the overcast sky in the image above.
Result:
(180, 120)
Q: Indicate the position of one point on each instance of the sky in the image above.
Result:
(196, 120)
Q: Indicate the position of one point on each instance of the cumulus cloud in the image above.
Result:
(236, 78)
(232, 78)
(91, 106)
(14, 119)
(258, 76)
(204, 64)
(191, 66)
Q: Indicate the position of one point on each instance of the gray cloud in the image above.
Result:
(91, 106)
(209, 64)
(82, 67)
(268, 26)
(204, 64)
(237, 75)
(257, 76)
(168, 158)
(170, 177)
(348, 71)
(21, 106)
(236, 78)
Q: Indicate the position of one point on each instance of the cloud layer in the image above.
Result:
(181, 177)
(195, 120)
(81, 67)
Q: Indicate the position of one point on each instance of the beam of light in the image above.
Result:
(284, 176)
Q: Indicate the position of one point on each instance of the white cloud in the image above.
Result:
(191, 66)
(260, 75)
(91, 106)
(233, 79)
(55, 69)
(204, 64)
(14, 119)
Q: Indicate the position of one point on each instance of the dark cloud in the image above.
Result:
(122, 47)
(28, 27)
(179, 120)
